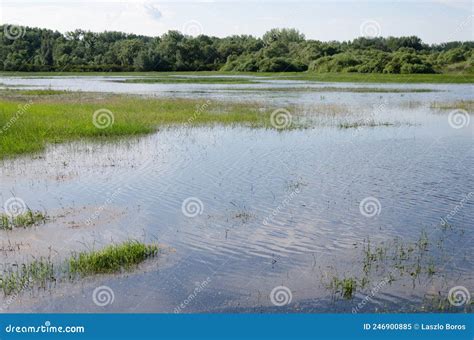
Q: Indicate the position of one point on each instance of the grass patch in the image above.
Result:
(18, 278)
(383, 78)
(368, 123)
(27, 126)
(111, 259)
(345, 287)
(187, 80)
(455, 78)
(335, 89)
(41, 272)
(46, 92)
(25, 220)
(467, 105)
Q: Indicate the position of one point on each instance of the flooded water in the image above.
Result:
(240, 212)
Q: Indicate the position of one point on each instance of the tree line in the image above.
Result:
(278, 50)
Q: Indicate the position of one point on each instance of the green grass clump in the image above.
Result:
(41, 272)
(111, 259)
(346, 287)
(28, 219)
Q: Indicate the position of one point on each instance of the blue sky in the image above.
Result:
(434, 21)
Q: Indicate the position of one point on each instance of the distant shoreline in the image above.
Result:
(452, 78)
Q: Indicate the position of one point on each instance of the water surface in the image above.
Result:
(279, 208)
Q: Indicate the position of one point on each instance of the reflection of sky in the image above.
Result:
(322, 20)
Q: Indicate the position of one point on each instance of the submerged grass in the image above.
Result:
(369, 123)
(467, 105)
(334, 89)
(38, 273)
(42, 271)
(28, 219)
(111, 259)
(188, 80)
(346, 287)
(27, 125)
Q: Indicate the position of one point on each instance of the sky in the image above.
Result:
(434, 21)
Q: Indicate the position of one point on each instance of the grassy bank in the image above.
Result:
(29, 122)
(455, 78)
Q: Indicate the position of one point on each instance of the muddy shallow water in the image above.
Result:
(274, 208)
